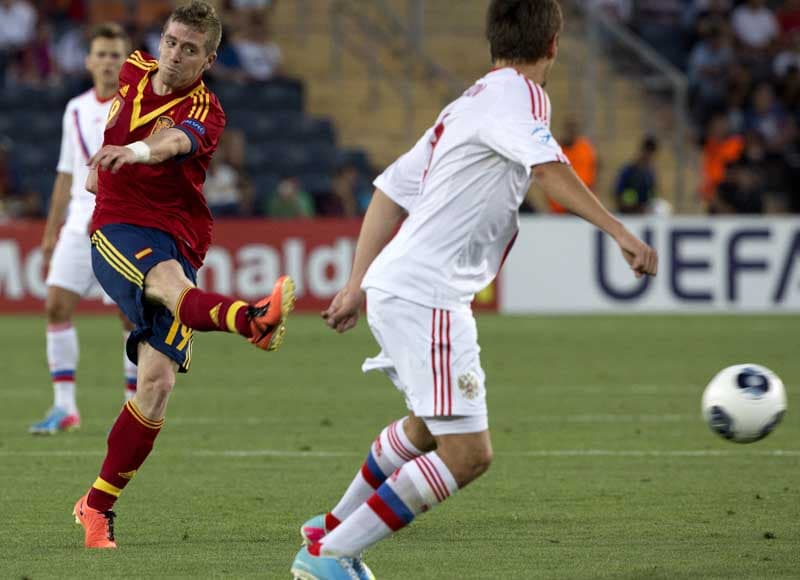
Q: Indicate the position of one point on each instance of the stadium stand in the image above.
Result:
(282, 137)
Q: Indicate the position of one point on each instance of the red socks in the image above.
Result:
(331, 522)
(201, 310)
(129, 443)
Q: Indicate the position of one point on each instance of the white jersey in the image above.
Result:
(462, 185)
(81, 137)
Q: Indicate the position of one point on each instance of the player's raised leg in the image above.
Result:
(262, 323)
(398, 443)
(62, 359)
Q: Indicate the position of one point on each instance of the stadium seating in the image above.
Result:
(281, 138)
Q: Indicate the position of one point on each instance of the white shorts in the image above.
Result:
(71, 266)
(432, 356)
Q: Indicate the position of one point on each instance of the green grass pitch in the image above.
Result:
(603, 467)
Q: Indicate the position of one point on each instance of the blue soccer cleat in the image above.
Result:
(313, 530)
(308, 567)
(57, 419)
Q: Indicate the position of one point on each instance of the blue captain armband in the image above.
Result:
(195, 125)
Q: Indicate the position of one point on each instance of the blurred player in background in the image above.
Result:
(69, 252)
(459, 190)
(151, 229)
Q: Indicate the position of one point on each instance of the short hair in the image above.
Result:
(202, 17)
(111, 31)
(520, 31)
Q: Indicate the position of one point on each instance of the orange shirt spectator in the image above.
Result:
(720, 150)
(583, 157)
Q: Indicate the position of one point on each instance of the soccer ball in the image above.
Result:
(744, 403)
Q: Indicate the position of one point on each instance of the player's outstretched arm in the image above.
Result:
(155, 149)
(380, 223)
(560, 182)
(59, 201)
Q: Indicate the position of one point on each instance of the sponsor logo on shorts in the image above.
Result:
(469, 385)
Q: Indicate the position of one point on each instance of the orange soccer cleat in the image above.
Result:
(98, 526)
(268, 315)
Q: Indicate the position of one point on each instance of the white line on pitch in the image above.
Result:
(270, 420)
(543, 453)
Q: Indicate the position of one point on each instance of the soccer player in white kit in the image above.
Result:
(459, 189)
(67, 248)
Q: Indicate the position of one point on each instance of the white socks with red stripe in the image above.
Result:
(414, 488)
(62, 358)
(129, 369)
(389, 451)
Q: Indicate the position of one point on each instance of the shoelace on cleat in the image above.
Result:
(255, 312)
(110, 515)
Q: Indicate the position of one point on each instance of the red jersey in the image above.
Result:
(169, 195)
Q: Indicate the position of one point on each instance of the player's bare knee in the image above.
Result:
(57, 311)
(481, 461)
(153, 388)
(417, 432)
(468, 456)
(165, 282)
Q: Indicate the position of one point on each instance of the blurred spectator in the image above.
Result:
(789, 18)
(17, 24)
(767, 116)
(705, 17)
(740, 85)
(227, 190)
(636, 183)
(750, 179)
(755, 26)
(290, 200)
(239, 12)
(789, 89)
(791, 168)
(721, 148)
(581, 154)
(227, 67)
(17, 29)
(708, 68)
(789, 57)
(70, 52)
(259, 56)
(742, 192)
(659, 22)
(348, 197)
(37, 66)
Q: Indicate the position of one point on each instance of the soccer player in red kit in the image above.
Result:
(151, 229)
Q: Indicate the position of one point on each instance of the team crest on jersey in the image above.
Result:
(469, 385)
(542, 134)
(162, 123)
